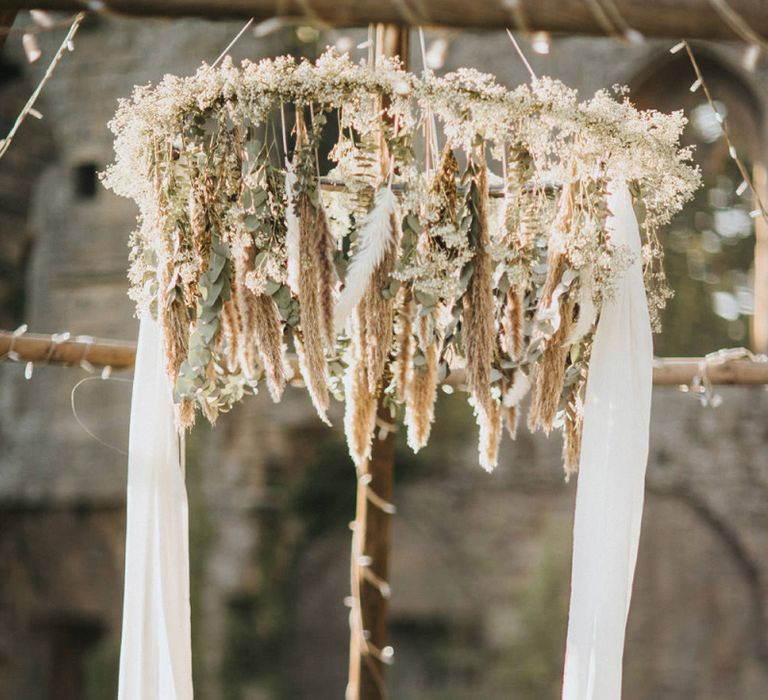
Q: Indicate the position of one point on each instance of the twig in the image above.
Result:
(724, 129)
(521, 54)
(233, 42)
(6, 142)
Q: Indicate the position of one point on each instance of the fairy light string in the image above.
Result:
(700, 82)
(28, 108)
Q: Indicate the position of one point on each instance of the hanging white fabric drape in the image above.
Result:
(155, 655)
(609, 496)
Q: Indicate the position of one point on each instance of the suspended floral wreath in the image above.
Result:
(406, 259)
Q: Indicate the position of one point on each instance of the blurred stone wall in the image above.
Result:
(480, 562)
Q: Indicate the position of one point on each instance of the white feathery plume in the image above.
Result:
(292, 231)
(521, 384)
(376, 237)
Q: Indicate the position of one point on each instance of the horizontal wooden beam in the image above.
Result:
(119, 354)
(676, 371)
(61, 349)
(692, 19)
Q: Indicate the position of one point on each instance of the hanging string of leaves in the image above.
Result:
(385, 275)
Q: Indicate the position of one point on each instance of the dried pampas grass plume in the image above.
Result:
(174, 324)
(404, 345)
(360, 403)
(512, 324)
(478, 313)
(489, 420)
(478, 328)
(231, 334)
(421, 394)
(312, 340)
(512, 415)
(185, 415)
(550, 372)
(313, 367)
(242, 297)
(377, 314)
(268, 333)
(321, 254)
(572, 432)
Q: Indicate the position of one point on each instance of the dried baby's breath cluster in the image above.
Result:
(405, 258)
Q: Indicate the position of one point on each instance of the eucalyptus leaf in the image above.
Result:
(272, 287)
(425, 299)
(252, 221)
(216, 266)
(282, 297)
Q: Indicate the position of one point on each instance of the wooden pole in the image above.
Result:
(120, 355)
(65, 350)
(369, 565)
(760, 271)
(369, 569)
(694, 19)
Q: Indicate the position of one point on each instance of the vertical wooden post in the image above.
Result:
(368, 651)
(369, 569)
(760, 315)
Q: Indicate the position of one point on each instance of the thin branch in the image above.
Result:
(724, 129)
(120, 354)
(65, 45)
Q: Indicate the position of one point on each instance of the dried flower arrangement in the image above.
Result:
(396, 266)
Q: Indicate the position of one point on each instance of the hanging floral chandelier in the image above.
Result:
(461, 226)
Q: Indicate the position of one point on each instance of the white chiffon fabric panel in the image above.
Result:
(609, 497)
(155, 654)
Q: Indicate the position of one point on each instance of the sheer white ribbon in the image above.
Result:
(609, 497)
(155, 654)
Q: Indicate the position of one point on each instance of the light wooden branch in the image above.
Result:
(695, 19)
(120, 355)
